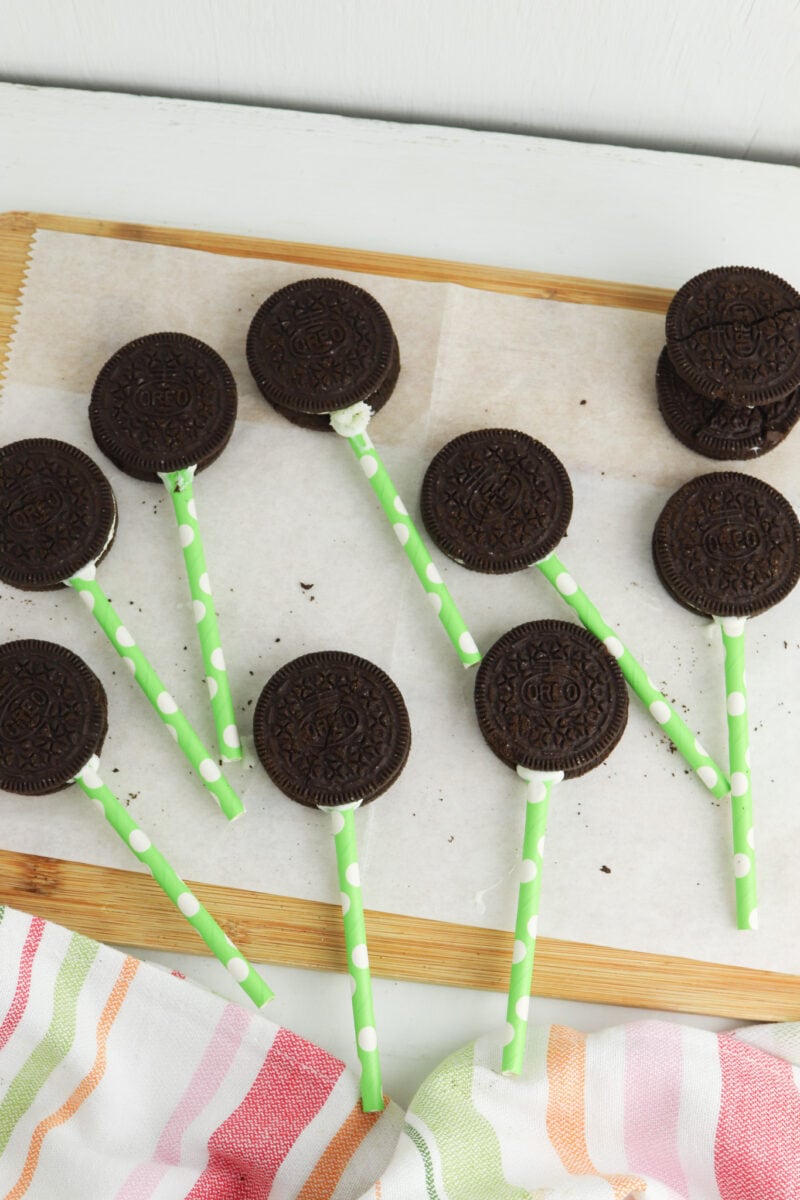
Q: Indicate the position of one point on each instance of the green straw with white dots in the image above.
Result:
(355, 940)
(530, 885)
(351, 424)
(179, 484)
(134, 837)
(657, 705)
(101, 608)
(744, 856)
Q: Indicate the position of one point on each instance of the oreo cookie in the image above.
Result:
(321, 345)
(57, 513)
(733, 334)
(727, 545)
(549, 697)
(496, 500)
(331, 729)
(53, 717)
(163, 403)
(717, 429)
(321, 422)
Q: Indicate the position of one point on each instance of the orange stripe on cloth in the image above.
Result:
(322, 1181)
(566, 1109)
(85, 1087)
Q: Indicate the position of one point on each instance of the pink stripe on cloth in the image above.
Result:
(246, 1151)
(757, 1150)
(653, 1080)
(22, 991)
(201, 1089)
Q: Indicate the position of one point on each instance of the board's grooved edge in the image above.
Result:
(15, 257)
(127, 907)
(497, 279)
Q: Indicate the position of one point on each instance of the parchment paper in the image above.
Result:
(638, 852)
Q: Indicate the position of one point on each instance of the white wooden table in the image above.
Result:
(596, 211)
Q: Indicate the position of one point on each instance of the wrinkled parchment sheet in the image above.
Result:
(638, 852)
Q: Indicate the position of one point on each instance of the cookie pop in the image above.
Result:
(323, 353)
(332, 732)
(728, 546)
(57, 522)
(162, 408)
(53, 722)
(498, 501)
(551, 704)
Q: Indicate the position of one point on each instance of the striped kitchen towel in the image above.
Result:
(119, 1081)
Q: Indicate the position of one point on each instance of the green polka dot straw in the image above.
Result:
(355, 939)
(180, 487)
(351, 423)
(525, 928)
(655, 702)
(744, 857)
(137, 841)
(84, 582)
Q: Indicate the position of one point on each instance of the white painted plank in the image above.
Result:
(600, 211)
(718, 77)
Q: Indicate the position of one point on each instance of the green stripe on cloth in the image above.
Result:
(57, 1041)
(427, 1161)
(471, 1163)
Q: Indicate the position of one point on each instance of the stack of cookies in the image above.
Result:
(728, 379)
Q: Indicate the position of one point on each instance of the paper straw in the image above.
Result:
(654, 701)
(530, 884)
(744, 857)
(172, 885)
(408, 537)
(355, 940)
(181, 491)
(121, 639)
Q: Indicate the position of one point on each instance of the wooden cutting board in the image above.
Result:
(127, 907)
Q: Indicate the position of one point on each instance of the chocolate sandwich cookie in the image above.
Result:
(321, 345)
(733, 334)
(57, 513)
(496, 500)
(330, 729)
(727, 545)
(163, 403)
(549, 697)
(321, 421)
(53, 717)
(717, 429)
